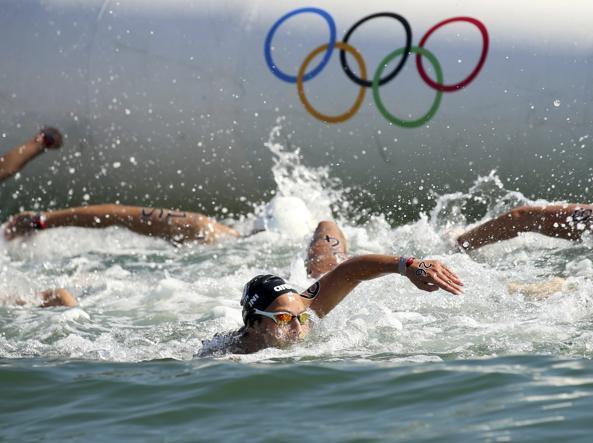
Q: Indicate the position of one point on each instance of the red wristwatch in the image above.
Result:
(404, 263)
(39, 221)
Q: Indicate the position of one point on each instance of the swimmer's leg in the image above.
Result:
(328, 248)
(564, 221)
(57, 297)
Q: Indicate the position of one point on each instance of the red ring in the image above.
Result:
(470, 78)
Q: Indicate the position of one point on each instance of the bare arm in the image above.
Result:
(328, 248)
(169, 224)
(330, 290)
(52, 298)
(13, 161)
(58, 297)
(564, 221)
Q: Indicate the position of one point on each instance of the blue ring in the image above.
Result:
(330, 48)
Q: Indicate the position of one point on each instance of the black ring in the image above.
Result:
(398, 68)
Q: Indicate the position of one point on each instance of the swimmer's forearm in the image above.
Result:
(551, 220)
(492, 231)
(331, 289)
(419, 271)
(96, 216)
(427, 275)
(165, 223)
(368, 267)
(13, 161)
(503, 227)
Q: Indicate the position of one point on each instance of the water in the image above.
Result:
(389, 363)
(531, 398)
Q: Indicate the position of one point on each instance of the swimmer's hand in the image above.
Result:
(49, 138)
(19, 225)
(432, 275)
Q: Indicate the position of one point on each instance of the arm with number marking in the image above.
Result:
(172, 225)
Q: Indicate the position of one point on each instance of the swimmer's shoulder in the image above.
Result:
(222, 343)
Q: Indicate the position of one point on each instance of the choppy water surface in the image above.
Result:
(389, 363)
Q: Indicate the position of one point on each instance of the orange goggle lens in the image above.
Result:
(284, 318)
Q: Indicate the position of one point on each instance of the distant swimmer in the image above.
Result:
(173, 225)
(568, 221)
(275, 314)
(57, 297)
(16, 159)
(49, 298)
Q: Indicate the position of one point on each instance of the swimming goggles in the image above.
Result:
(283, 318)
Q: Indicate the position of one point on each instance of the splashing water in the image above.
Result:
(312, 185)
(141, 299)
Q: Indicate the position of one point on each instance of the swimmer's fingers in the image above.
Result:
(51, 138)
(444, 278)
(19, 225)
(452, 276)
(433, 280)
(447, 284)
(7, 233)
(433, 272)
(10, 230)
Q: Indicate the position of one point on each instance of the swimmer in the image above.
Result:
(51, 298)
(16, 159)
(568, 221)
(275, 314)
(57, 297)
(176, 226)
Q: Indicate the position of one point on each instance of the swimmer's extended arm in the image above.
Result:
(169, 224)
(565, 221)
(428, 275)
(58, 297)
(15, 159)
(54, 297)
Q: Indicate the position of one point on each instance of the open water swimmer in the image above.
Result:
(276, 314)
(270, 221)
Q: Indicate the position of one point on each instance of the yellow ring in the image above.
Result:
(301, 90)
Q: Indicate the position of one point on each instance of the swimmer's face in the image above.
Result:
(279, 335)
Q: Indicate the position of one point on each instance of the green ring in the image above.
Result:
(437, 101)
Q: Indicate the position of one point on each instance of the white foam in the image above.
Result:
(141, 298)
(288, 215)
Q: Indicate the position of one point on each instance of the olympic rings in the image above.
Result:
(398, 68)
(376, 83)
(342, 46)
(330, 48)
(462, 84)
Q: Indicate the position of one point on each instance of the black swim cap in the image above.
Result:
(261, 291)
